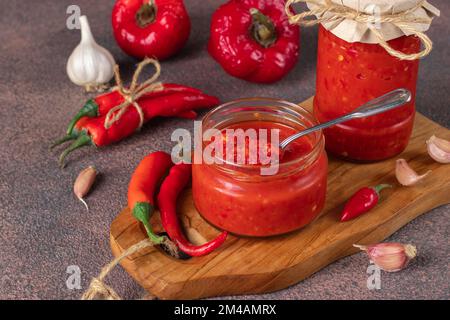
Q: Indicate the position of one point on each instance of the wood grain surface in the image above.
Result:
(257, 265)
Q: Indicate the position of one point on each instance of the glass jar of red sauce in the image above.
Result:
(349, 75)
(237, 198)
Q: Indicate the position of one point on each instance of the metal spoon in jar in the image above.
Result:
(386, 102)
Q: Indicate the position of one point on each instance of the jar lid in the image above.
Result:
(370, 21)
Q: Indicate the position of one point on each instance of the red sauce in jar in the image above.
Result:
(240, 200)
(349, 75)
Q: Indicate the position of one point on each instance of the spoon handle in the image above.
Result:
(386, 102)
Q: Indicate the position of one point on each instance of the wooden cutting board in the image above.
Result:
(255, 265)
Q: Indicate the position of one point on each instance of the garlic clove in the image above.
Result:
(390, 257)
(83, 184)
(90, 65)
(195, 237)
(439, 149)
(405, 175)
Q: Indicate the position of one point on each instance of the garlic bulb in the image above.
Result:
(405, 175)
(439, 149)
(390, 257)
(90, 65)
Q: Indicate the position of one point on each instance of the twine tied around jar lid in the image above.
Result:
(135, 91)
(326, 11)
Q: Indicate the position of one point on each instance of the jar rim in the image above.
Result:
(305, 117)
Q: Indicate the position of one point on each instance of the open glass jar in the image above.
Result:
(237, 198)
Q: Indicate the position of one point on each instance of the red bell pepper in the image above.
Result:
(253, 40)
(150, 28)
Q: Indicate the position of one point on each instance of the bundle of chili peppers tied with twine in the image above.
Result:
(107, 118)
(327, 11)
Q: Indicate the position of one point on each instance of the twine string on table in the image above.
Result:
(403, 20)
(135, 91)
(98, 288)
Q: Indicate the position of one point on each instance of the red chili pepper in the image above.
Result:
(91, 131)
(174, 183)
(191, 114)
(100, 105)
(143, 184)
(150, 28)
(362, 201)
(253, 40)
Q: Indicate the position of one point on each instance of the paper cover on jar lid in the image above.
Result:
(351, 20)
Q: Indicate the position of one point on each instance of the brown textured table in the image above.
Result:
(43, 229)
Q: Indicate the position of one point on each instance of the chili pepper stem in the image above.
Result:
(66, 138)
(83, 140)
(380, 187)
(152, 236)
(263, 30)
(142, 211)
(90, 109)
(146, 14)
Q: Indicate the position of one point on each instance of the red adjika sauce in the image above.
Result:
(262, 147)
(349, 75)
(237, 198)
